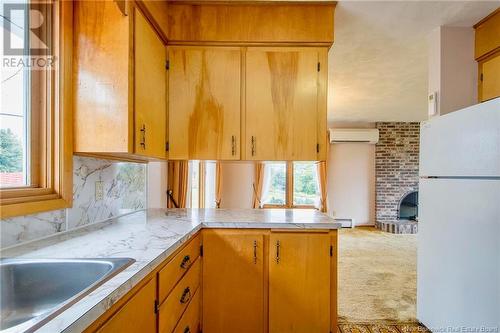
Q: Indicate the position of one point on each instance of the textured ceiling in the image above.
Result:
(378, 63)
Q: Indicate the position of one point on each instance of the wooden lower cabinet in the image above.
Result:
(137, 315)
(245, 280)
(299, 282)
(266, 281)
(233, 281)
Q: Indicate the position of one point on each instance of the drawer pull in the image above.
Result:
(233, 145)
(255, 252)
(187, 330)
(143, 139)
(278, 252)
(254, 144)
(186, 296)
(186, 262)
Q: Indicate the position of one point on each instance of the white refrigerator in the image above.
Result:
(458, 264)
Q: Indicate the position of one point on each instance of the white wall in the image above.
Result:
(452, 68)
(157, 184)
(237, 181)
(351, 182)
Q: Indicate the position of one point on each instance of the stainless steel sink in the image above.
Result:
(34, 291)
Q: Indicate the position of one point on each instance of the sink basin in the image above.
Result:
(34, 291)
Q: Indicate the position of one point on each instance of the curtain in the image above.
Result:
(178, 182)
(218, 184)
(322, 180)
(322, 169)
(257, 185)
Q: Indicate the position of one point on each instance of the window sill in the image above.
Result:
(285, 207)
(38, 206)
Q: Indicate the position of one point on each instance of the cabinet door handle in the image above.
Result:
(233, 145)
(254, 144)
(187, 330)
(186, 261)
(255, 252)
(278, 252)
(143, 138)
(186, 296)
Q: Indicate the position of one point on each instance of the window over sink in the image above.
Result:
(35, 117)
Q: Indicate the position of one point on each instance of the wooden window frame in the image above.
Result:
(289, 192)
(51, 153)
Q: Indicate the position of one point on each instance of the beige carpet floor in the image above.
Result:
(377, 276)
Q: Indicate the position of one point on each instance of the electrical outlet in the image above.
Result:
(99, 190)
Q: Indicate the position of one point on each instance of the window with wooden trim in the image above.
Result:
(35, 116)
(290, 185)
(201, 184)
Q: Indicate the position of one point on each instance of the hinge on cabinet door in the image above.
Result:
(201, 250)
(157, 306)
(167, 65)
(331, 250)
(167, 146)
(319, 66)
(481, 77)
(317, 147)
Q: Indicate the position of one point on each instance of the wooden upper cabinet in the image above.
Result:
(233, 281)
(150, 90)
(300, 282)
(119, 81)
(488, 56)
(489, 80)
(284, 103)
(204, 102)
(487, 35)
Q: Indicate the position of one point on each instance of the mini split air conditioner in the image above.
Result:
(364, 135)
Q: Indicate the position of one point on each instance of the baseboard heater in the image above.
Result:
(346, 222)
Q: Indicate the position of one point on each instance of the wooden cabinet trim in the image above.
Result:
(246, 23)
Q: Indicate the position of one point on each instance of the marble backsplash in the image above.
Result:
(124, 191)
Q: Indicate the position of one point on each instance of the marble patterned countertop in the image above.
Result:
(149, 237)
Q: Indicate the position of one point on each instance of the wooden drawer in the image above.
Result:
(177, 267)
(190, 321)
(177, 301)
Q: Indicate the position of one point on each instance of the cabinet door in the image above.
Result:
(150, 109)
(299, 282)
(204, 102)
(233, 281)
(490, 82)
(137, 315)
(281, 103)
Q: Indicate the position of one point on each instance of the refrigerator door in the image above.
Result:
(458, 262)
(463, 143)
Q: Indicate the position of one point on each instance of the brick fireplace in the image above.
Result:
(396, 169)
